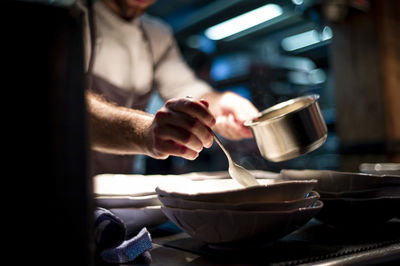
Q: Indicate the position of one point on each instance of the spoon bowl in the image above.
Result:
(237, 172)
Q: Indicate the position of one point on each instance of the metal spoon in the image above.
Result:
(237, 172)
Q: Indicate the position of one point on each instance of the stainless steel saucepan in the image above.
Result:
(289, 129)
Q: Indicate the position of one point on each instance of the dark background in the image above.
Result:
(47, 171)
(254, 64)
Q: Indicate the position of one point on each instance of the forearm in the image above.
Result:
(115, 129)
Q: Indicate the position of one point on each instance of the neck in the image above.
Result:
(122, 10)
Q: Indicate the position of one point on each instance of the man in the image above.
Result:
(135, 55)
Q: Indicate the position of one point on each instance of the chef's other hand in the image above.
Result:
(231, 111)
(181, 128)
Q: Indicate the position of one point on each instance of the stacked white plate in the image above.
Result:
(222, 211)
(133, 197)
(353, 199)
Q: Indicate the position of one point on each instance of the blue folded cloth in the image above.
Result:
(129, 250)
(111, 243)
(110, 230)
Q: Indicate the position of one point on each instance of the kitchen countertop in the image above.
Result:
(313, 244)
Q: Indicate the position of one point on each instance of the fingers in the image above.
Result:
(204, 102)
(193, 108)
(181, 128)
(239, 106)
(171, 148)
(231, 128)
(180, 136)
(232, 111)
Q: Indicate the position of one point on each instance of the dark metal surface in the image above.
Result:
(313, 244)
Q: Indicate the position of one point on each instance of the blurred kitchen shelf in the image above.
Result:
(234, 81)
(219, 11)
(319, 53)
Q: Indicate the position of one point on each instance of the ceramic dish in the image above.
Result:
(120, 185)
(131, 185)
(249, 206)
(387, 191)
(225, 175)
(229, 191)
(226, 226)
(126, 201)
(333, 181)
(380, 168)
(360, 213)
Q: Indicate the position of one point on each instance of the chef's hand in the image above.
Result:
(181, 128)
(231, 111)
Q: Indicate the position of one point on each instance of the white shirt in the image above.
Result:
(125, 57)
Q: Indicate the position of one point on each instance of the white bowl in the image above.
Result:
(247, 206)
(334, 181)
(227, 226)
(229, 191)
